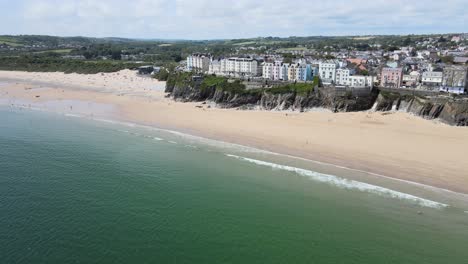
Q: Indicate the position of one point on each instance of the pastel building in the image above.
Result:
(292, 72)
(288, 72)
(391, 77)
(283, 74)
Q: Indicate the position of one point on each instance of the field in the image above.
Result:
(62, 51)
(10, 41)
(292, 49)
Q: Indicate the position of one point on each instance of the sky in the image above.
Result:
(228, 19)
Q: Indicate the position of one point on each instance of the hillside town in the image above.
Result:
(408, 67)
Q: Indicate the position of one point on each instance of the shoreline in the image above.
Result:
(335, 180)
(149, 107)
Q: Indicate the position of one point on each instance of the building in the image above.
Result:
(360, 81)
(268, 70)
(240, 66)
(456, 39)
(198, 62)
(342, 76)
(391, 77)
(215, 68)
(411, 80)
(431, 78)
(277, 71)
(283, 73)
(455, 79)
(288, 72)
(292, 72)
(143, 70)
(345, 77)
(460, 60)
(237, 67)
(327, 72)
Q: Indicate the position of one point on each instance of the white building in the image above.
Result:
(277, 71)
(345, 77)
(239, 66)
(198, 62)
(268, 70)
(432, 78)
(342, 76)
(215, 68)
(234, 66)
(327, 72)
(360, 81)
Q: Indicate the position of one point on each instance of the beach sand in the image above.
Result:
(397, 145)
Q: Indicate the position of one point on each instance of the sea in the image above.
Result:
(82, 190)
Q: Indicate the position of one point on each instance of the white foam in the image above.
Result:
(243, 148)
(345, 183)
(158, 139)
(172, 142)
(73, 115)
(216, 143)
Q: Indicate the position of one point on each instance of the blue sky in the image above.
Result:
(212, 19)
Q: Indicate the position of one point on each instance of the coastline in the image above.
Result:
(395, 145)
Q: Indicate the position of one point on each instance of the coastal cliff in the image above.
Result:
(453, 111)
(303, 97)
(294, 97)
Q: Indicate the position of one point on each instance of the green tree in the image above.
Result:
(447, 59)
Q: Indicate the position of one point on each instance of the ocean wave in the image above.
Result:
(158, 139)
(247, 149)
(346, 183)
(73, 115)
(216, 143)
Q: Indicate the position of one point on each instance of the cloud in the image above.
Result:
(203, 19)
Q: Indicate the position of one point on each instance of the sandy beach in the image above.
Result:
(392, 144)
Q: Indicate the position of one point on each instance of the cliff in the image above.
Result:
(295, 97)
(303, 97)
(450, 110)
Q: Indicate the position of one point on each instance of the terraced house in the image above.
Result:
(391, 77)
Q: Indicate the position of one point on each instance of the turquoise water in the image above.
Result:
(80, 191)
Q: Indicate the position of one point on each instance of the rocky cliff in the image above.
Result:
(269, 99)
(450, 110)
(453, 111)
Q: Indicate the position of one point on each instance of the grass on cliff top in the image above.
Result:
(237, 87)
(223, 84)
(298, 88)
(179, 78)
